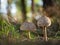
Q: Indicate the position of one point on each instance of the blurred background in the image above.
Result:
(14, 12)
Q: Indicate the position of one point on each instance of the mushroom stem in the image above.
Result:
(45, 34)
(29, 35)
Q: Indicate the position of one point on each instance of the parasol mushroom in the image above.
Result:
(44, 22)
(28, 26)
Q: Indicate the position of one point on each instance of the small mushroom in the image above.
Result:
(44, 22)
(28, 26)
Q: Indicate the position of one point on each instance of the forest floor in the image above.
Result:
(25, 41)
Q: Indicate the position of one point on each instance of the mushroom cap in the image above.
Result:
(44, 21)
(28, 26)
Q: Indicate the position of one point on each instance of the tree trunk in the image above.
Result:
(32, 6)
(47, 3)
(8, 10)
(23, 8)
(33, 12)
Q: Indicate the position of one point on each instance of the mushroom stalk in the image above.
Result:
(29, 36)
(45, 34)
